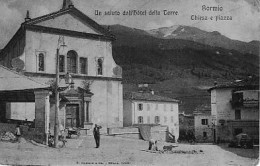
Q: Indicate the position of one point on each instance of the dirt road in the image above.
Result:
(117, 151)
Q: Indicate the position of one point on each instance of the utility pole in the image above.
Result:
(57, 102)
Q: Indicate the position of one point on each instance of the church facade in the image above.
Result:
(84, 49)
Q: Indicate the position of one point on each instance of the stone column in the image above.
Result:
(42, 115)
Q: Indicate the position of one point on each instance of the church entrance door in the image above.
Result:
(72, 115)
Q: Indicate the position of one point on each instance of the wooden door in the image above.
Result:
(72, 115)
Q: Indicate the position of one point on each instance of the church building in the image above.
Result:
(74, 44)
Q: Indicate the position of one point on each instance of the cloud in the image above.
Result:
(9, 19)
(245, 24)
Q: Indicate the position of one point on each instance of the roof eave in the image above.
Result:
(234, 86)
(134, 99)
(75, 12)
(67, 32)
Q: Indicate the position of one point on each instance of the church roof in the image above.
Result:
(146, 96)
(74, 11)
(30, 24)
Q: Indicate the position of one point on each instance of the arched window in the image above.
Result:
(100, 66)
(72, 62)
(41, 62)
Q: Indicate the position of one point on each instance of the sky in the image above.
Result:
(244, 26)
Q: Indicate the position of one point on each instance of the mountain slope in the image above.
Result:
(210, 38)
(177, 68)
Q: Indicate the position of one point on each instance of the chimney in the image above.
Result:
(27, 18)
(143, 87)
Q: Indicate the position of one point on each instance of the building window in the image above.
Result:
(165, 119)
(62, 63)
(100, 66)
(204, 121)
(148, 107)
(72, 62)
(205, 134)
(83, 65)
(171, 107)
(41, 61)
(156, 106)
(140, 107)
(172, 119)
(148, 119)
(156, 119)
(237, 114)
(140, 120)
(237, 99)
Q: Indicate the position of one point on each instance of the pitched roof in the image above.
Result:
(74, 11)
(249, 83)
(11, 80)
(204, 109)
(186, 115)
(30, 24)
(145, 96)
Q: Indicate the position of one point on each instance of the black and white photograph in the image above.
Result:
(129, 82)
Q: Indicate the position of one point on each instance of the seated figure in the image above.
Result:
(153, 145)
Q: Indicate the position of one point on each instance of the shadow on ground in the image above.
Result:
(249, 153)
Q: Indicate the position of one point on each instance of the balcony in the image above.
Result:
(238, 101)
(245, 103)
(250, 103)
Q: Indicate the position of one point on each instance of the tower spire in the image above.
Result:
(67, 4)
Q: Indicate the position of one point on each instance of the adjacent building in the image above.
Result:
(186, 127)
(148, 108)
(186, 121)
(79, 46)
(235, 109)
(203, 124)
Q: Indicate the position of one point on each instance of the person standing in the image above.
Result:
(96, 134)
(18, 133)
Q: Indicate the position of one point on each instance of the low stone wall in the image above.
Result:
(157, 132)
(125, 132)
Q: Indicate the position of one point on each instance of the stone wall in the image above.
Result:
(157, 132)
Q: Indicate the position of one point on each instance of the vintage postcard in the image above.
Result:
(129, 82)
